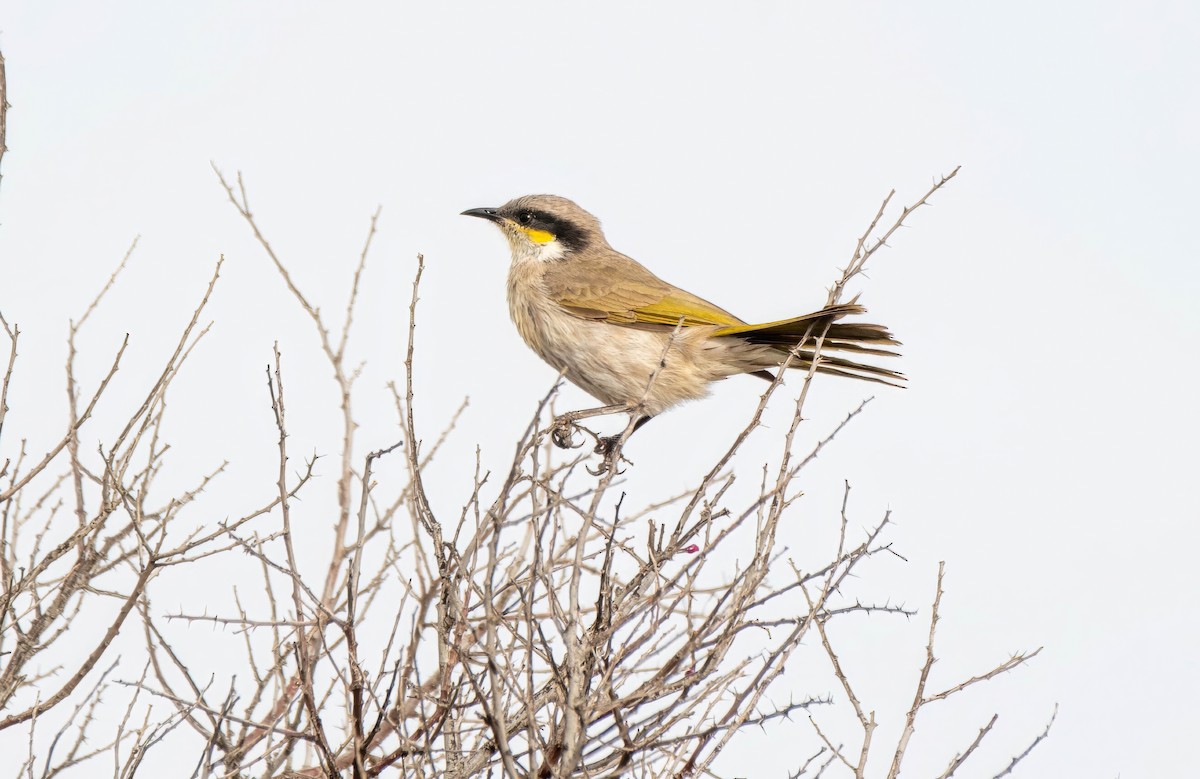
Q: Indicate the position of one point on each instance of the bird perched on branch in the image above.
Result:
(606, 322)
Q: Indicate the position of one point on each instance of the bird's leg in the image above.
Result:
(610, 446)
(563, 430)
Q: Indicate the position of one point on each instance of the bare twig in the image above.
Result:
(1039, 739)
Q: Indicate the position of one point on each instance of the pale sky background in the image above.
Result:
(1047, 447)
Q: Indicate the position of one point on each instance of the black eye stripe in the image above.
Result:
(533, 217)
(568, 234)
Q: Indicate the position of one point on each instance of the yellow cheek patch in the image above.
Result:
(538, 236)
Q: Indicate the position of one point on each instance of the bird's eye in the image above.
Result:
(526, 218)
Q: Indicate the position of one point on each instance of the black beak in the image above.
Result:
(484, 213)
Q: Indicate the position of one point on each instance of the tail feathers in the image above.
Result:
(854, 337)
(795, 328)
(837, 366)
(830, 345)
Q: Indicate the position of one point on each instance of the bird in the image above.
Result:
(605, 321)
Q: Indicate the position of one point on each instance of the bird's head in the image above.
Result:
(543, 228)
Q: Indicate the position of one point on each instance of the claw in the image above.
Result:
(563, 434)
(608, 446)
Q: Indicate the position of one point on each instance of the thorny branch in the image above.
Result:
(3, 113)
(544, 624)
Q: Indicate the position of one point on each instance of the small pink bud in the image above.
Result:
(690, 671)
(692, 549)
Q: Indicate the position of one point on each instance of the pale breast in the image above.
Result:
(610, 362)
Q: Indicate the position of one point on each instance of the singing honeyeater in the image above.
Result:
(605, 320)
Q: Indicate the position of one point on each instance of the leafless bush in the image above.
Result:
(548, 629)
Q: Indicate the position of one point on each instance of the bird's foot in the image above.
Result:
(609, 447)
(563, 432)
